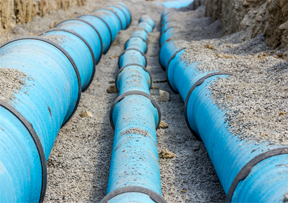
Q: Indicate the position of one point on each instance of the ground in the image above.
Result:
(78, 166)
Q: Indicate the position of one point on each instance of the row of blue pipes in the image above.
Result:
(59, 65)
(134, 171)
(248, 171)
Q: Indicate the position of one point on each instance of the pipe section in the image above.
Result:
(58, 65)
(135, 115)
(248, 171)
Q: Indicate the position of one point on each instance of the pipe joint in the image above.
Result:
(140, 93)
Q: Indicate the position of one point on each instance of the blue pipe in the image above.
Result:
(78, 50)
(87, 31)
(147, 19)
(176, 4)
(57, 65)
(111, 19)
(134, 171)
(248, 171)
(125, 9)
(121, 14)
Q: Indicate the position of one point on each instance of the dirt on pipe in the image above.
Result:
(78, 166)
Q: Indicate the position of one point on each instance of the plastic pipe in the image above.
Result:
(248, 171)
(79, 52)
(57, 65)
(176, 4)
(111, 19)
(134, 171)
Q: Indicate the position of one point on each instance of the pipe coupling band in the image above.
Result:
(137, 37)
(68, 57)
(153, 195)
(246, 170)
(37, 143)
(196, 84)
(165, 23)
(89, 47)
(110, 32)
(171, 58)
(84, 21)
(121, 5)
(143, 21)
(133, 64)
(143, 29)
(115, 15)
(122, 96)
(120, 8)
(167, 40)
(166, 30)
(130, 50)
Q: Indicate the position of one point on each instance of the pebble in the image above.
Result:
(112, 89)
(165, 154)
(164, 96)
(86, 114)
(163, 125)
(11, 82)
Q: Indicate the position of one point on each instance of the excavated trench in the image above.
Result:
(78, 166)
(80, 160)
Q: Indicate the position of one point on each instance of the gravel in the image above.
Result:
(78, 166)
(255, 97)
(11, 82)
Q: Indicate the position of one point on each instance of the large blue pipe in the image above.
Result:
(176, 4)
(58, 65)
(135, 115)
(248, 171)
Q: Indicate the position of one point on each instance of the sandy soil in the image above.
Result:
(78, 166)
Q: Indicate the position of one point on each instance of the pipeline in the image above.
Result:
(176, 4)
(58, 65)
(135, 115)
(248, 171)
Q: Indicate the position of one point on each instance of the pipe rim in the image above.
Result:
(115, 15)
(196, 84)
(246, 170)
(153, 195)
(122, 96)
(126, 17)
(84, 21)
(125, 6)
(37, 143)
(167, 40)
(111, 37)
(133, 64)
(166, 30)
(89, 47)
(68, 57)
(137, 37)
(131, 49)
(167, 68)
